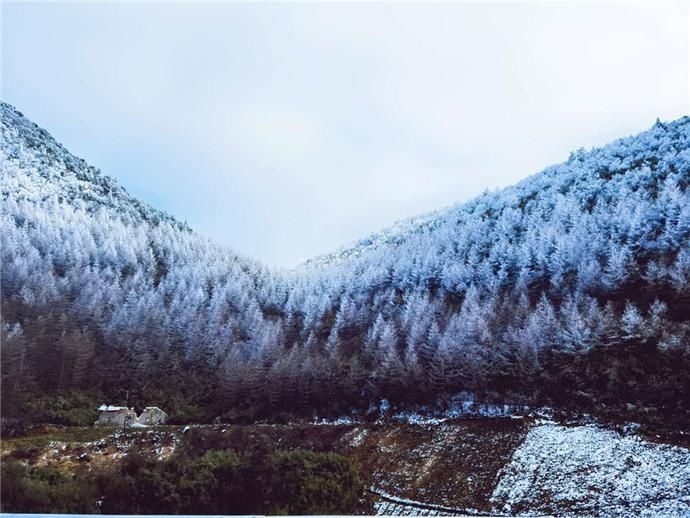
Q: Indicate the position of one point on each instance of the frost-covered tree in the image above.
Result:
(582, 266)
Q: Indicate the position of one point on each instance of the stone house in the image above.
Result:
(151, 416)
(117, 416)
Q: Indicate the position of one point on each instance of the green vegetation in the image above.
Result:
(304, 482)
(72, 434)
(258, 481)
(43, 489)
(71, 409)
(230, 482)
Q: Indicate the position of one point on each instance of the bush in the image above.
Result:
(26, 454)
(212, 483)
(43, 490)
(256, 481)
(305, 482)
(227, 482)
(70, 409)
(11, 427)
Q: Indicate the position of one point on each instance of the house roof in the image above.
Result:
(110, 408)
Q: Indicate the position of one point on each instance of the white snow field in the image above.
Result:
(587, 470)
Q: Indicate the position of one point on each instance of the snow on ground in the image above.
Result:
(462, 405)
(467, 409)
(416, 418)
(589, 470)
(357, 437)
(344, 420)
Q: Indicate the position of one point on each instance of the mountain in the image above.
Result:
(569, 289)
(91, 276)
(630, 180)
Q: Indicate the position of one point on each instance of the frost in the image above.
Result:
(460, 408)
(416, 418)
(345, 420)
(358, 438)
(590, 470)
(435, 304)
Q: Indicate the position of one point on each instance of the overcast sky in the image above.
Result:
(286, 131)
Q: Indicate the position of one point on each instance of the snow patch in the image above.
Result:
(416, 418)
(589, 470)
(358, 437)
(345, 420)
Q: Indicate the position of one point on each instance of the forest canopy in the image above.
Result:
(571, 288)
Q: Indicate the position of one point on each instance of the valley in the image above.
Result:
(524, 353)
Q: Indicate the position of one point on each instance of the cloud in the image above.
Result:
(286, 130)
(270, 134)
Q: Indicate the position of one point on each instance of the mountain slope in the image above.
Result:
(62, 174)
(92, 278)
(570, 288)
(631, 193)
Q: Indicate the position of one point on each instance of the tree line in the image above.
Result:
(571, 287)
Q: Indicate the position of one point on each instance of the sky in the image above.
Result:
(285, 131)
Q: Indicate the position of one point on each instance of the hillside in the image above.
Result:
(108, 289)
(62, 174)
(592, 177)
(499, 466)
(569, 289)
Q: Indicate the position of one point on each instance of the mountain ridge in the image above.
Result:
(402, 228)
(569, 289)
(32, 135)
(18, 132)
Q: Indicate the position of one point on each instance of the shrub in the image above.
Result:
(305, 482)
(43, 490)
(257, 481)
(70, 409)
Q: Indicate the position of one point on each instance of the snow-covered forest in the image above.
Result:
(571, 288)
